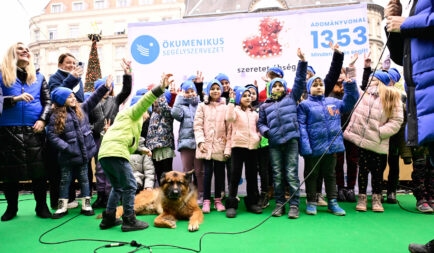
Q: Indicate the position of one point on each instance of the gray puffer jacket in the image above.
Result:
(143, 168)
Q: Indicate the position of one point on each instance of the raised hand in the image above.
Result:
(300, 55)
(108, 82)
(335, 47)
(126, 66)
(354, 58)
(232, 94)
(367, 61)
(199, 77)
(106, 124)
(165, 82)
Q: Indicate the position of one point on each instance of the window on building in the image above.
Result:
(52, 57)
(74, 31)
(120, 28)
(36, 59)
(123, 3)
(100, 53)
(77, 6)
(119, 52)
(144, 2)
(119, 77)
(99, 4)
(56, 8)
(37, 34)
(52, 33)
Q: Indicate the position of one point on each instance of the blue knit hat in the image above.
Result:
(188, 85)
(136, 99)
(276, 70)
(310, 68)
(191, 78)
(310, 82)
(236, 87)
(248, 86)
(87, 95)
(60, 94)
(168, 96)
(221, 77)
(239, 93)
(283, 82)
(141, 92)
(394, 75)
(382, 76)
(102, 81)
(210, 83)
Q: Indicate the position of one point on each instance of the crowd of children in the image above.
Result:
(222, 130)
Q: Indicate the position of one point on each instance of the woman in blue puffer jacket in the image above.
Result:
(26, 110)
(319, 118)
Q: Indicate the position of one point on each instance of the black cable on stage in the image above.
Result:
(140, 246)
(405, 209)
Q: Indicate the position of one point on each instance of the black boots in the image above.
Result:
(130, 223)
(391, 198)
(231, 207)
(42, 210)
(342, 192)
(10, 213)
(263, 200)
(109, 220)
(101, 201)
(350, 195)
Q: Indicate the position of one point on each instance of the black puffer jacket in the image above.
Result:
(22, 150)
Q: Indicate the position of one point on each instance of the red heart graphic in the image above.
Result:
(266, 44)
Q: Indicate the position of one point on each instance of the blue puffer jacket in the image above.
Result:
(23, 113)
(319, 118)
(64, 79)
(183, 111)
(418, 28)
(75, 144)
(1, 101)
(278, 118)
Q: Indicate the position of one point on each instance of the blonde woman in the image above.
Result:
(378, 117)
(26, 108)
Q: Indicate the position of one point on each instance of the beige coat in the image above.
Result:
(245, 134)
(369, 128)
(211, 128)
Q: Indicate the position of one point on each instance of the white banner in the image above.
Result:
(245, 46)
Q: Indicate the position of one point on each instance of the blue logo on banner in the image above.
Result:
(145, 49)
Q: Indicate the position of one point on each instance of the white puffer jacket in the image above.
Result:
(143, 167)
(369, 128)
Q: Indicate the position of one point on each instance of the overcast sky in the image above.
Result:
(15, 20)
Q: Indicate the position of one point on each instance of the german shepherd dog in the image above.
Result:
(175, 199)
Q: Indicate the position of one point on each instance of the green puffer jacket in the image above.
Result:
(122, 138)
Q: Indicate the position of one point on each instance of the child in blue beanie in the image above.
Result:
(319, 118)
(70, 133)
(278, 122)
(184, 111)
(245, 141)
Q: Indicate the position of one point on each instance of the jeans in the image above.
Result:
(66, 177)
(218, 169)
(284, 161)
(120, 173)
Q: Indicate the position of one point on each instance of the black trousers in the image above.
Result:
(240, 157)
(374, 163)
(39, 186)
(218, 169)
(325, 169)
(162, 166)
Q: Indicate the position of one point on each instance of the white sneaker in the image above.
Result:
(321, 201)
(73, 204)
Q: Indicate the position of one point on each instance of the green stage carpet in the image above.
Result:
(370, 232)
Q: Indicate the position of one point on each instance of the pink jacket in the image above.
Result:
(211, 128)
(245, 134)
(369, 128)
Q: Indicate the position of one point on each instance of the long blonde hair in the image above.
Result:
(9, 67)
(390, 97)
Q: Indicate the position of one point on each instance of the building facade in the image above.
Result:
(65, 24)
